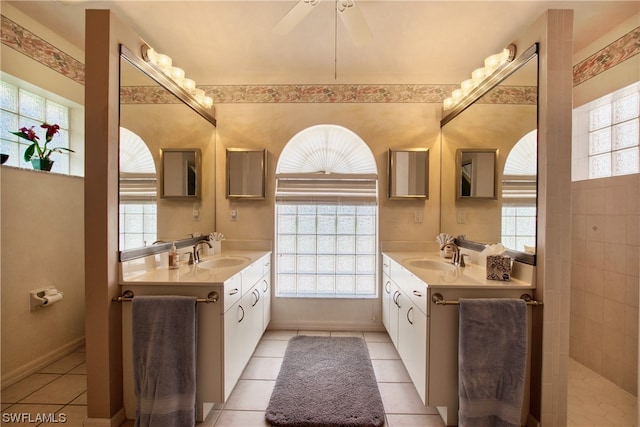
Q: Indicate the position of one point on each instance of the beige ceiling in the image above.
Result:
(422, 42)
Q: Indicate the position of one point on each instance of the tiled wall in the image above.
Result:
(605, 277)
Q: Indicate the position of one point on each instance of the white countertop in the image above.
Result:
(146, 272)
(471, 276)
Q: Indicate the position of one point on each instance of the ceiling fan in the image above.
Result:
(347, 10)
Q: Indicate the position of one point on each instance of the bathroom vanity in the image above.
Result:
(424, 332)
(234, 309)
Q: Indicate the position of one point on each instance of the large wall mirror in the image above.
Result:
(408, 173)
(501, 121)
(163, 140)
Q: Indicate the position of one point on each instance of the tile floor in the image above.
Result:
(60, 388)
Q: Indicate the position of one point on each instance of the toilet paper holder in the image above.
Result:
(44, 297)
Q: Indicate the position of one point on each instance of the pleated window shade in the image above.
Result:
(138, 181)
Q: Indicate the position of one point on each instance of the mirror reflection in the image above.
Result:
(497, 122)
(152, 121)
(476, 174)
(180, 173)
(408, 174)
(246, 173)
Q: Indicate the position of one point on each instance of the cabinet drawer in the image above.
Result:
(266, 264)
(251, 275)
(232, 291)
(415, 288)
(386, 264)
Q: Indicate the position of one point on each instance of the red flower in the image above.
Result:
(51, 130)
(25, 133)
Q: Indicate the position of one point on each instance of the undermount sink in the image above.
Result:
(223, 261)
(429, 264)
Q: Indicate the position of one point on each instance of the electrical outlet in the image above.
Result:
(417, 216)
(196, 215)
(462, 217)
(234, 214)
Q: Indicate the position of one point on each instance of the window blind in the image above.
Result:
(138, 187)
(358, 188)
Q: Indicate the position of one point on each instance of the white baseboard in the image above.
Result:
(34, 366)
(117, 420)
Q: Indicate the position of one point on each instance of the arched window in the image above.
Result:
(326, 215)
(519, 190)
(138, 189)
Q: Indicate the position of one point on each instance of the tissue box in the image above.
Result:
(499, 267)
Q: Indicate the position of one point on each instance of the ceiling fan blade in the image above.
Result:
(353, 19)
(294, 16)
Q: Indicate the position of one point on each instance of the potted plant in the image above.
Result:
(40, 155)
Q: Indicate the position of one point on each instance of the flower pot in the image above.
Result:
(42, 164)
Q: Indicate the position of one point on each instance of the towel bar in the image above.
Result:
(128, 295)
(438, 299)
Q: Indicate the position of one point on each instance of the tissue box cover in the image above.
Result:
(499, 268)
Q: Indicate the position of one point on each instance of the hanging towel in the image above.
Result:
(164, 360)
(492, 357)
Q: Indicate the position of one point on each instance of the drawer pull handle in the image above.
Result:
(409, 311)
(233, 291)
(417, 293)
(266, 286)
(242, 318)
(386, 287)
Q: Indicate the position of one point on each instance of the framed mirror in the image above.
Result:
(476, 174)
(246, 170)
(408, 173)
(180, 173)
(501, 114)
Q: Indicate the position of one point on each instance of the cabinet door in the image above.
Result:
(395, 305)
(412, 337)
(234, 363)
(265, 289)
(386, 300)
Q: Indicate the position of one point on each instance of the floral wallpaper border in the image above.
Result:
(617, 52)
(24, 41)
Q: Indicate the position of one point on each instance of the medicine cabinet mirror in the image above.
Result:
(180, 173)
(408, 174)
(476, 174)
(246, 171)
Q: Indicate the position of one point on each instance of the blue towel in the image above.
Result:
(492, 357)
(164, 360)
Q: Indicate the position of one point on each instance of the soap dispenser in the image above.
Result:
(173, 256)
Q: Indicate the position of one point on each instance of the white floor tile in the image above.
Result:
(241, 419)
(250, 395)
(262, 368)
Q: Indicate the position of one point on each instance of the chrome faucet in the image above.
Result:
(458, 258)
(196, 253)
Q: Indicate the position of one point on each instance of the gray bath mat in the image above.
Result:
(328, 382)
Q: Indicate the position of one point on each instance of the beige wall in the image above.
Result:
(42, 237)
(605, 237)
(381, 126)
(42, 246)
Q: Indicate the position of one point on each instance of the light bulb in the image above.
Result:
(163, 61)
(479, 74)
(188, 85)
(448, 103)
(467, 86)
(457, 95)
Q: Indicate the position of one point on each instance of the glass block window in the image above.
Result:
(606, 135)
(138, 192)
(326, 216)
(519, 227)
(138, 224)
(22, 108)
(326, 249)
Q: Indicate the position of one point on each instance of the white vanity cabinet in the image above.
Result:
(228, 330)
(426, 334)
(244, 321)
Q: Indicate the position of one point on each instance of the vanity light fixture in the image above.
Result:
(492, 64)
(165, 64)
